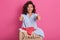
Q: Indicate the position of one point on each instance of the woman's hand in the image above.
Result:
(21, 18)
(38, 17)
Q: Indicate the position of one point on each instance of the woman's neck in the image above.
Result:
(30, 14)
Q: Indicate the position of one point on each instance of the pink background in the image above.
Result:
(49, 11)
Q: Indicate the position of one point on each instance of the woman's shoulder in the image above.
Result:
(23, 15)
(35, 14)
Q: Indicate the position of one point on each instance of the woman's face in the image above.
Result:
(30, 8)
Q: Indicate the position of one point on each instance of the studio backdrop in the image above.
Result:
(10, 10)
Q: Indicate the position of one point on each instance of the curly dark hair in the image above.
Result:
(24, 11)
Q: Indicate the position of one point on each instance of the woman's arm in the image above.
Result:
(38, 17)
(21, 18)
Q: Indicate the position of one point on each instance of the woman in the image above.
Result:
(29, 17)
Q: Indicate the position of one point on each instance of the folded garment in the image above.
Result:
(29, 30)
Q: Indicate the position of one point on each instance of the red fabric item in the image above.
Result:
(29, 30)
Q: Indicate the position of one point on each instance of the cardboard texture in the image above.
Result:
(26, 37)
